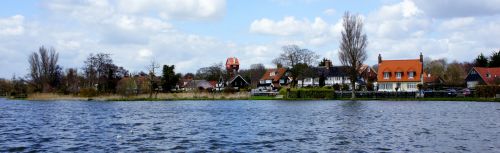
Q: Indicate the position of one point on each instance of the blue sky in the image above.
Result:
(196, 33)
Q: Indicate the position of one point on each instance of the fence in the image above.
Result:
(376, 94)
(330, 94)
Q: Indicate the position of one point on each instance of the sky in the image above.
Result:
(196, 33)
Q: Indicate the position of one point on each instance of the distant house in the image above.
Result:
(199, 85)
(237, 82)
(368, 77)
(326, 76)
(432, 81)
(399, 75)
(183, 82)
(275, 78)
(483, 76)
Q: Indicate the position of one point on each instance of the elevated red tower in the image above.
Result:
(232, 66)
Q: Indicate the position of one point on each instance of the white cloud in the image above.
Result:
(329, 12)
(317, 32)
(402, 30)
(177, 9)
(12, 25)
(458, 8)
(286, 27)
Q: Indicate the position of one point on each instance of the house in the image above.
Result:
(183, 82)
(399, 75)
(432, 82)
(275, 78)
(368, 77)
(325, 76)
(328, 75)
(200, 85)
(237, 82)
(483, 76)
(234, 80)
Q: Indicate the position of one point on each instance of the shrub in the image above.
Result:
(230, 90)
(487, 90)
(88, 92)
(312, 93)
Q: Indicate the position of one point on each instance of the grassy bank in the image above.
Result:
(222, 96)
(142, 97)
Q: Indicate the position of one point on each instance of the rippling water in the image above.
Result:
(249, 126)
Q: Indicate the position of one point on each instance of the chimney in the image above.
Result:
(328, 64)
(379, 58)
(279, 65)
(421, 57)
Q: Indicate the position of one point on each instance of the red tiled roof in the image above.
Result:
(279, 73)
(405, 66)
(431, 78)
(213, 83)
(492, 72)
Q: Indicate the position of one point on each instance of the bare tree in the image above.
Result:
(44, 71)
(297, 60)
(152, 77)
(212, 73)
(352, 47)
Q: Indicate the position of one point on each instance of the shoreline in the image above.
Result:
(226, 97)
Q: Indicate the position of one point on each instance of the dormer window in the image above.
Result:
(488, 75)
(398, 75)
(272, 74)
(411, 75)
(386, 75)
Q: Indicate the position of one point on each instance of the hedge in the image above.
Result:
(487, 91)
(316, 93)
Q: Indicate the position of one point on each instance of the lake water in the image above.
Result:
(249, 126)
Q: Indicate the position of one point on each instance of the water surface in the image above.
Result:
(249, 126)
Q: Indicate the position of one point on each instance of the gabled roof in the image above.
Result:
(279, 72)
(493, 73)
(404, 66)
(334, 71)
(364, 67)
(238, 76)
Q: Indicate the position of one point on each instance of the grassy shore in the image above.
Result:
(143, 97)
(222, 96)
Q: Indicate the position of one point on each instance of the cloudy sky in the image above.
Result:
(196, 33)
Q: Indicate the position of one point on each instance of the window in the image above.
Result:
(411, 75)
(269, 81)
(386, 86)
(386, 75)
(398, 75)
(272, 74)
(411, 86)
(488, 75)
(262, 81)
(282, 81)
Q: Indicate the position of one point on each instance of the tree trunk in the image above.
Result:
(353, 90)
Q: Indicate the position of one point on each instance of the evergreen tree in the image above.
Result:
(495, 59)
(481, 61)
(169, 79)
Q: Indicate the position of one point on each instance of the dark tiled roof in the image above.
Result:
(335, 71)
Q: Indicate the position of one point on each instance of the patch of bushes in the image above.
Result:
(315, 93)
(88, 92)
(487, 91)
